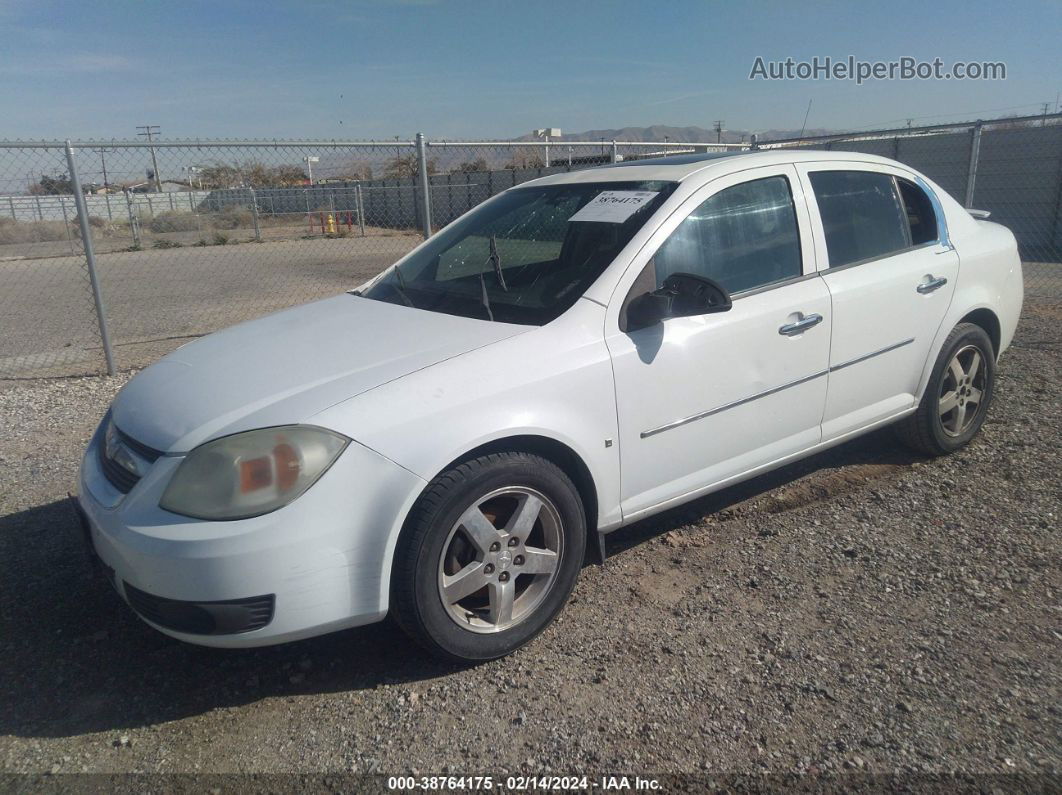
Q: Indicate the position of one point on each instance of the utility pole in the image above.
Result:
(1043, 121)
(718, 127)
(102, 152)
(309, 160)
(148, 131)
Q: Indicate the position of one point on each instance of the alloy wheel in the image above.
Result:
(962, 390)
(500, 559)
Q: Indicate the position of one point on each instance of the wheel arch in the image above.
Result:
(554, 451)
(989, 321)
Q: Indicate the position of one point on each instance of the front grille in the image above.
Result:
(229, 617)
(150, 454)
(117, 475)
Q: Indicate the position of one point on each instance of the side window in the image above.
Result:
(743, 237)
(861, 215)
(921, 217)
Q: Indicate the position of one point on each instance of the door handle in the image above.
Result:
(800, 326)
(931, 284)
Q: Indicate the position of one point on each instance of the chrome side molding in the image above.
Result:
(775, 390)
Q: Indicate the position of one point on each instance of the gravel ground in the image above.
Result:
(864, 610)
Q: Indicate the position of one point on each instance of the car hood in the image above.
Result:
(286, 367)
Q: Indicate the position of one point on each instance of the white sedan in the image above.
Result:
(575, 354)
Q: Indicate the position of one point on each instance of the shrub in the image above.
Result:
(174, 221)
(12, 231)
(220, 239)
(233, 217)
(165, 244)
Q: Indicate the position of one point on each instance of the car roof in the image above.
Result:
(676, 168)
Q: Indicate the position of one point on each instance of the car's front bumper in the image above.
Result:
(321, 562)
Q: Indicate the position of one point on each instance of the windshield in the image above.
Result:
(527, 255)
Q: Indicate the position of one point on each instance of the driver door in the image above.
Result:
(702, 400)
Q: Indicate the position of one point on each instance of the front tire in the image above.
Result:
(489, 556)
(958, 395)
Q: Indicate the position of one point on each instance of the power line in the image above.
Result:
(880, 124)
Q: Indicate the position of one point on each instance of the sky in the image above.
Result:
(371, 69)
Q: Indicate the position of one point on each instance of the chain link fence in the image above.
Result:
(169, 240)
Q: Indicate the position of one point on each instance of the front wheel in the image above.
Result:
(956, 400)
(489, 556)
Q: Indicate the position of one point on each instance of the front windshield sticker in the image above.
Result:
(614, 206)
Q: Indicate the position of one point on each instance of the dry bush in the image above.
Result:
(234, 216)
(174, 221)
(12, 231)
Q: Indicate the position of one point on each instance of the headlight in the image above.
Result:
(248, 474)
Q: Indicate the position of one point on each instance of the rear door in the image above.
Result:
(891, 272)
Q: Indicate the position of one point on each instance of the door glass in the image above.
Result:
(861, 215)
(743, 237)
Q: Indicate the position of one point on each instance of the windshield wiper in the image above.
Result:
(400, 288)
(495, 260)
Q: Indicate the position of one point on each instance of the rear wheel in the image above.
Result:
(958, 395)
(489, 556)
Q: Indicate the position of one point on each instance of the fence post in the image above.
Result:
(107, 201)
(753, 144)
(40, 215)
(11, 203)
(254, 215)
(615, 153)
(975, 155)
(90, 257)
(360, 206)
(422, 167)
(134, 221)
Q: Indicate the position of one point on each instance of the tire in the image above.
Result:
(510, 523)
(943, 423)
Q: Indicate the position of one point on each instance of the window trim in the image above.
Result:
(763, 288)
(806, 170)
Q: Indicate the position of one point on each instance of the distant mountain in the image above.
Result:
(662, 132)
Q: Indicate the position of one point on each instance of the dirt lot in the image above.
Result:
(156, 299)
(865, 610)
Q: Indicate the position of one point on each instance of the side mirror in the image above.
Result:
(682, 295)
